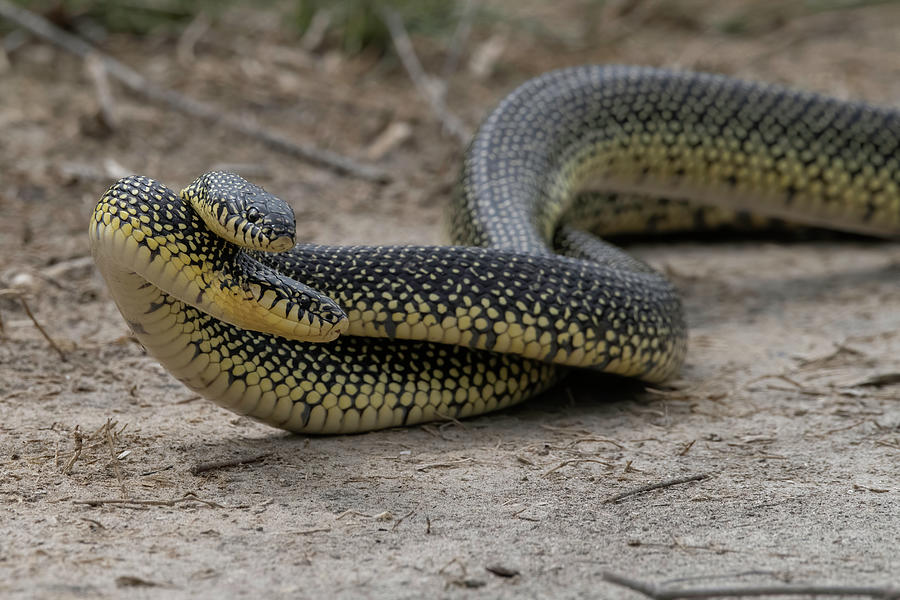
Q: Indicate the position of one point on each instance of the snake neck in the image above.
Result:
(549, 308)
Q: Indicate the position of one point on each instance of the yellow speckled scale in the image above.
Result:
(446, 332)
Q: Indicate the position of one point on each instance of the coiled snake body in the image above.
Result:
(387, 336)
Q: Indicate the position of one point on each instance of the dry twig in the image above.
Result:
(114, 459)
(382, 516)
(62, 355)
(655, 486)
(141, 85)
(403, 518)
(189, 497)
(663, 593)
(595, 440)
(229, 462)
(445, 465)
(311, 531)
(424, 84)
(518, 515)
(76, 453)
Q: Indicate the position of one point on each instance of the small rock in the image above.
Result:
(24, 281)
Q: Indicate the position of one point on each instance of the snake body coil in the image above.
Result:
(443, 332)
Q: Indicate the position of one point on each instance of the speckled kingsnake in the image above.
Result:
(440, 332)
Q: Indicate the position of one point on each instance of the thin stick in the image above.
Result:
(403, 518)
(155, 471)
(190, 497)
(445, 465)
(62, 355)
(79, 444)
(662, 593)
(655, 486)
(141, 85)
(224, 464)
(420, 79)
(114, 459)
(311, 531)
(354, 513)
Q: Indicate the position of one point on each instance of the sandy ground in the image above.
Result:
(788, 404)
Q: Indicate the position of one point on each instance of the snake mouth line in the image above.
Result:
(281, 243)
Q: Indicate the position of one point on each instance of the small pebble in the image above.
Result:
(24, 282)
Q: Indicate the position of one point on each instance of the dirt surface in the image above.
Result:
(788, 403)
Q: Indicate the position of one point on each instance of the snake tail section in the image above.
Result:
(656, 133)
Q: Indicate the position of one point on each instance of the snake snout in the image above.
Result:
(281, 243)
(332, 328)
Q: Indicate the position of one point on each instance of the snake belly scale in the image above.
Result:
(323, 339)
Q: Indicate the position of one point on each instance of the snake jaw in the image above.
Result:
(250, 295)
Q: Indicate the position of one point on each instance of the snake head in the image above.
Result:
(242, 212)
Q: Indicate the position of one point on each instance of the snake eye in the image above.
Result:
(253, 214)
